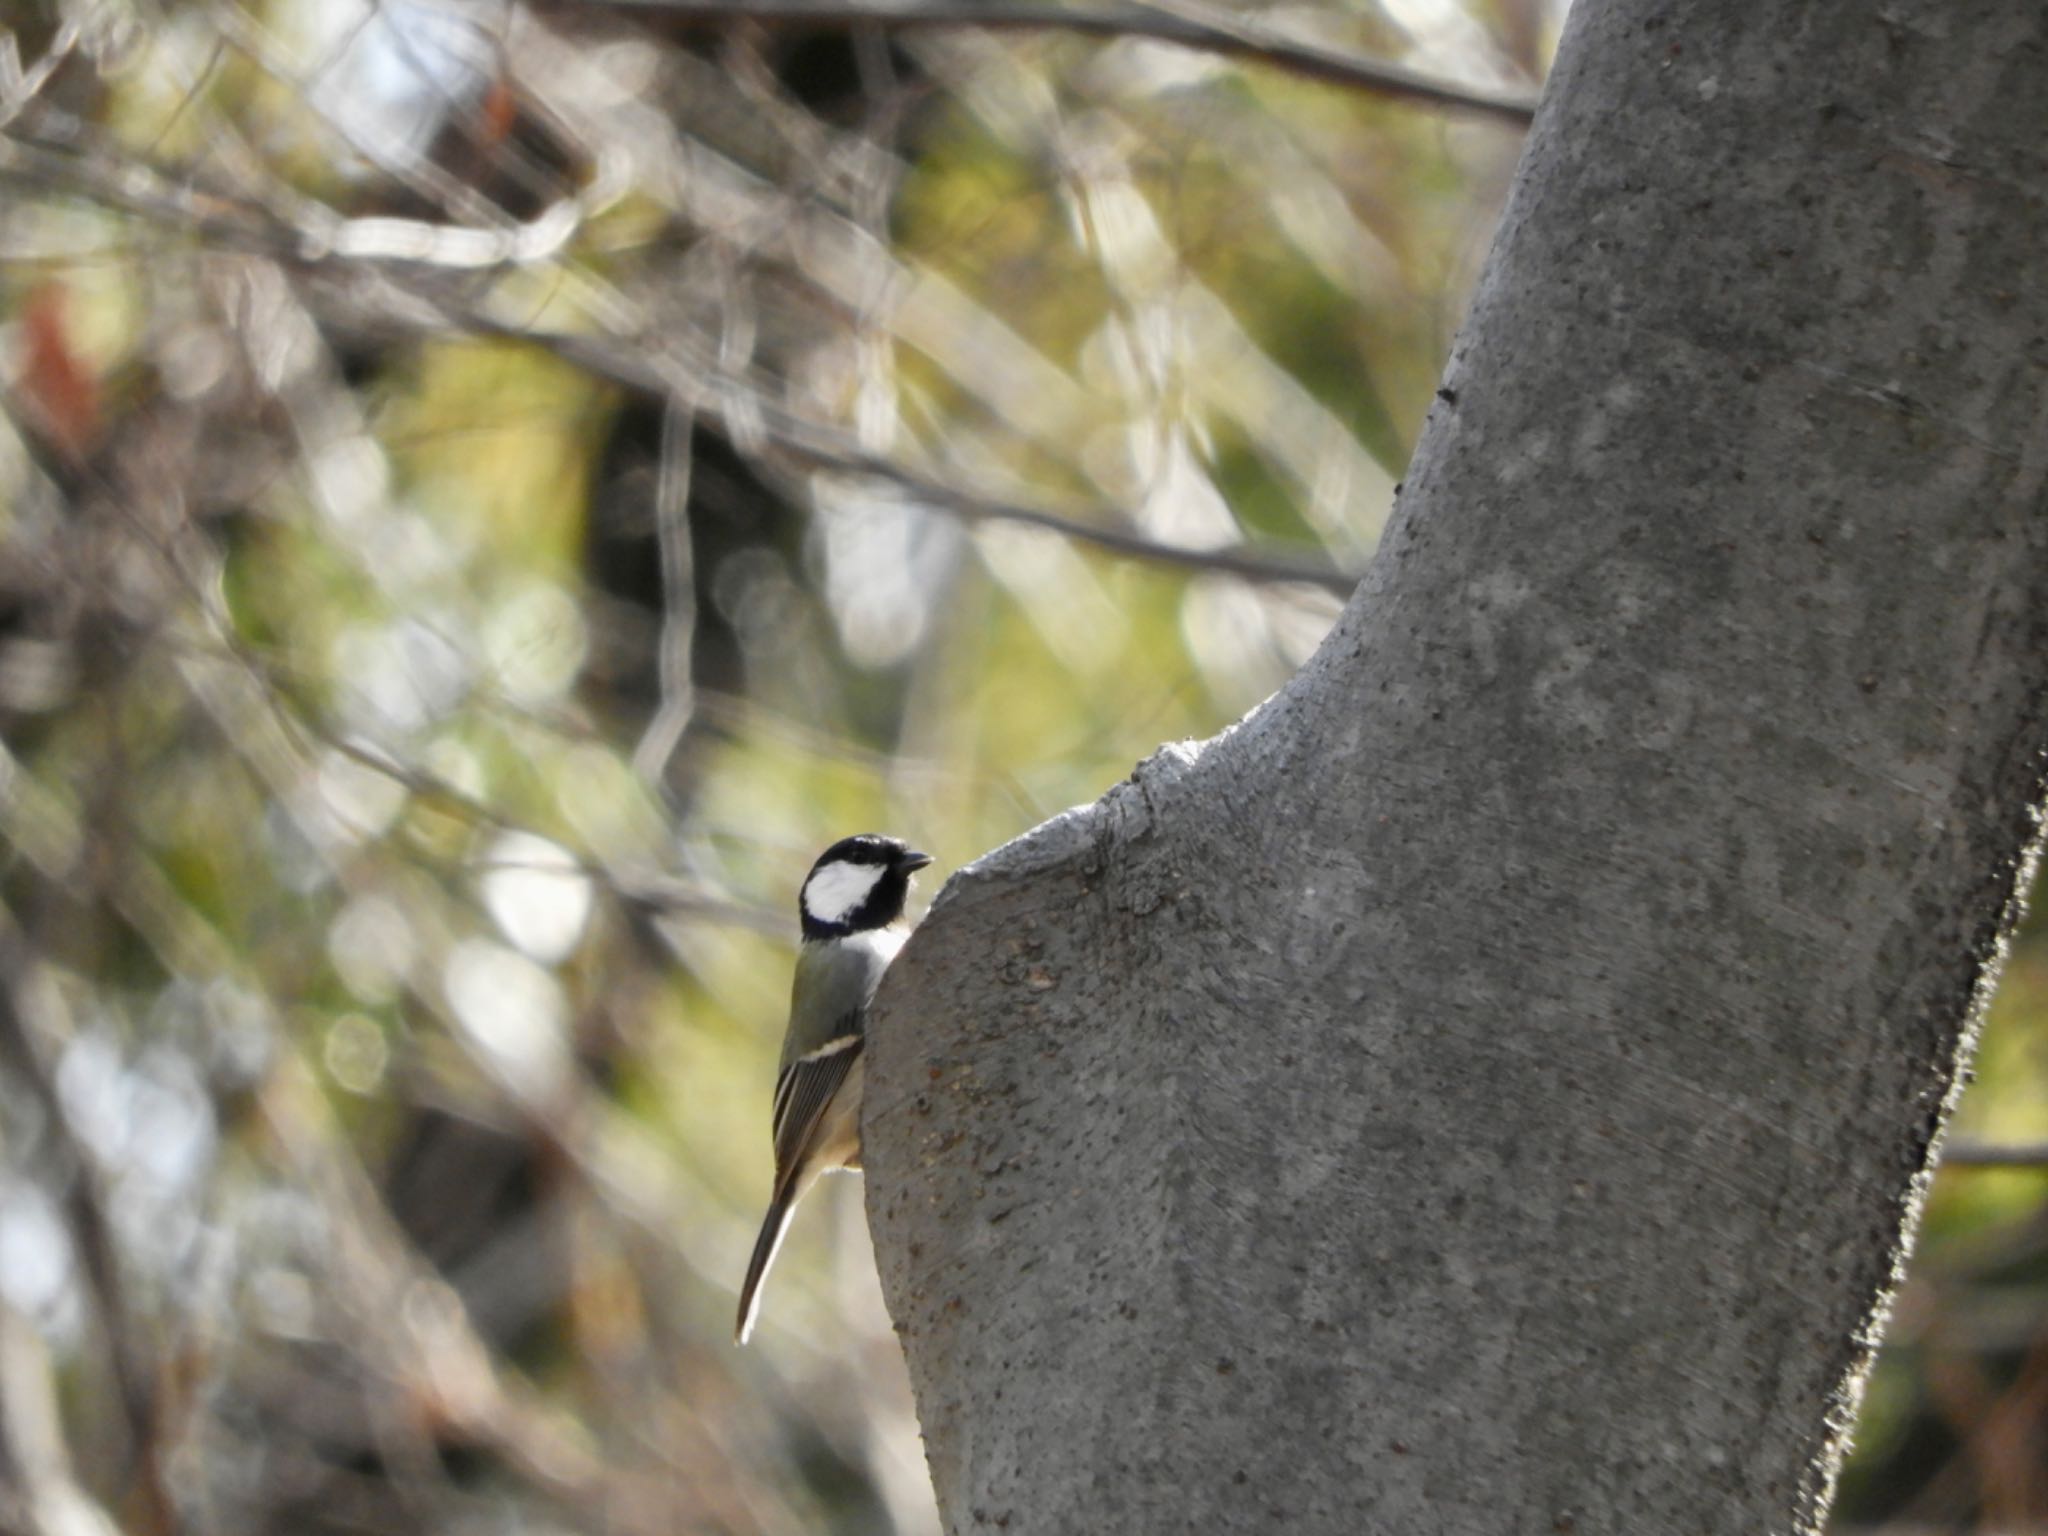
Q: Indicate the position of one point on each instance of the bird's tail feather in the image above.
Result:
(773, 1225)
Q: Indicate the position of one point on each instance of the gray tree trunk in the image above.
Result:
(1486, 1089)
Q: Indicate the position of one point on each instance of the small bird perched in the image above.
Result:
(852, 910)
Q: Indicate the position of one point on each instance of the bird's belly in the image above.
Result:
(839, 1136)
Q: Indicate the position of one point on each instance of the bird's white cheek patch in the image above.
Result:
(838, 889)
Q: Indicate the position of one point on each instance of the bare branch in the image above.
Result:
(1241, 40)
(821, 452)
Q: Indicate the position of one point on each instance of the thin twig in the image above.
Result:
(821, 451)
(1241, 41)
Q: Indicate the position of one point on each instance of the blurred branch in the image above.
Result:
(1235, 39)
(823, 447)
(314, 235)
(654, 893)
(390, 253)
(47, 1498)
(52, 837)
(412, 1321)
(382, 248)
(678, 596)
(418, 174)
(24, 997)
(827, 448)
(19, 86)
(821, 451)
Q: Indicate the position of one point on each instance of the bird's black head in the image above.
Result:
(859, 883)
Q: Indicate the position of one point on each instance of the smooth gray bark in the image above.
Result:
(1484, 1091)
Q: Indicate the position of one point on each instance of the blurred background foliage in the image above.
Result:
(487, 490)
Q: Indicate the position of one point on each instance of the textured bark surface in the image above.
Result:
(1483, 1091)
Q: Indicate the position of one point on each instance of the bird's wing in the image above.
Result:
(804, 1092)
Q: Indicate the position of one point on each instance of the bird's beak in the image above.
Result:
(910, 861)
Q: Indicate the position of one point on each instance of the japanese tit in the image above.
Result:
(852, 910)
